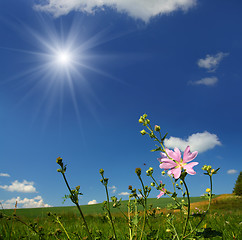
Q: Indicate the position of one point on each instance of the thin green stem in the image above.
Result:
(145, 207)
(57, 219)
(109, 212)
(78, 207)
(188, 208)
(209, 204)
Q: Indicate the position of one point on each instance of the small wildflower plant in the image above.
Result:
(177, 167)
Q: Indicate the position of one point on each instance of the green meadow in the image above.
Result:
(95, 209)
(223, 221)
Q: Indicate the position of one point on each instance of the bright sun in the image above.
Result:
(64, 58)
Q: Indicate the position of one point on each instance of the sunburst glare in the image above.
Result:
(59, 63)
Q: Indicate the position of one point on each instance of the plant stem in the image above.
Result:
(57, 219)
(109, 213)
(209, 204)
(145, 206)
(79, 209)
(188, 209)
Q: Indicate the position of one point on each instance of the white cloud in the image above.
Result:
(16, 186)
(4, 175)
(113, 188)
(211, 62)
(138, 9)
(92, 202)
(232, 171)
(200, 142)
(124, 194)
(209, 81)
(36, 202)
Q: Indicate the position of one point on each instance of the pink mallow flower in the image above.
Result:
(178, 164)
(162, 192)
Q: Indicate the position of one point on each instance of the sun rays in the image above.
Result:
(57, 61)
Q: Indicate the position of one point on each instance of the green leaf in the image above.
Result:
(157, 149)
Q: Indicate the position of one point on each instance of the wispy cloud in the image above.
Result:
(113, 188)
(16, 186)
(137, 9)
(4, 175)
(232, 171)
(209, 81)
(211, 62)
(124, 194)
(200, 142)
(35, 202)
(92, 202)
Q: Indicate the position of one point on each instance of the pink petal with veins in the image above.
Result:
(167, 164)
(189, 168)
(188, 156)
(176, 155)
(176, 172)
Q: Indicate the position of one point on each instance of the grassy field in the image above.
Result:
(93, 210)
(224, 221)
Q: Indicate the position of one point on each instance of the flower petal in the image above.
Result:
(161, 194)
(163, 156)
(188, 156)
(167, 164)
(176, 172)
(189, 168)
(176, 155)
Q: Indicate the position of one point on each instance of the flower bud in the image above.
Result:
(157, 128)
(168, 230)
(163, 172)
(59, 160)
(130, 187)
(208, 190)
(152, 184)
(143, 132)
(101, 171)
(141, 120)
(138, 171)
(204, 167)
(58, 170)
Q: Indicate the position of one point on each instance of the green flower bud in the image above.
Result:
(208, 167)
(59, 160)
(152, 184)
(143, 132)
(204, 167)
(157, 128)
(163, 172)
(152, 135)
(141, 120)
(138, 171)
(145, 116)
(101, 171)
(58, 170)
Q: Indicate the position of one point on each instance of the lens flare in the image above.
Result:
(60, 58)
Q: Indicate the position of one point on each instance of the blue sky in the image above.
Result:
(75, 79)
